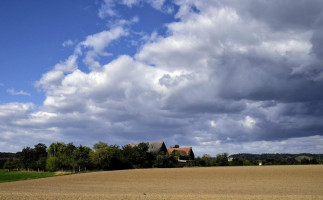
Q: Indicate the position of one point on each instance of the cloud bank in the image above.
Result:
(229, 76)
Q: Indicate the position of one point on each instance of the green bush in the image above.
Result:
(52, 164)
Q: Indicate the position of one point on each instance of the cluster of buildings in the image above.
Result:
(185, 154)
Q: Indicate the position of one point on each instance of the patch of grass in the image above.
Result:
(60, 173)
(6, 176)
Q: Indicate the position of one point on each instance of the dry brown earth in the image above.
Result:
(257, 182)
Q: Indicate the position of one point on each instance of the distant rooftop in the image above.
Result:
(182, 150)
(153, 147)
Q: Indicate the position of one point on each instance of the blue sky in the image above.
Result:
(31, 40)
(33, 34)
(220, 76)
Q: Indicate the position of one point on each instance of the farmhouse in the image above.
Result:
(185, 155)
(158, 148)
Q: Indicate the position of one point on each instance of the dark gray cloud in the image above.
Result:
(287, 14)
(257, 78)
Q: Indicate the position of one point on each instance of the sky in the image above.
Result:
(221, 76)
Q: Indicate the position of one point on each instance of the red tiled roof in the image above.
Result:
(185, 149)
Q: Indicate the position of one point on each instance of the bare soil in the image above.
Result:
(256, 182)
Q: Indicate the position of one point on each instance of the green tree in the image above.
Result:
(246, 162)
(305, 161)
(53, 164)
(40, 150)
(2, 161)
(101, 157)
(205, 160)
(175, 154)
(11, 164)
(56, 156)
(144, 158)
(291, 161)
(165, 161)
(63, 152)
(67, 158)
(40, 155)
(56, 149)
(34, 158)
(138, 156)
(314, 161)
(237, 162)
(222, 159)
(128, 156)
(82, 156)
(28, 158)
(117, 160)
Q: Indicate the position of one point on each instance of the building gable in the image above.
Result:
(158, 147)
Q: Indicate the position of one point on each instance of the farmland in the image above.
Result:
(256, 182)
(22, 175)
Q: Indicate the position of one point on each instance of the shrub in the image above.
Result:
(52, 164)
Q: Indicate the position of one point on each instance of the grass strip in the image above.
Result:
(6, 176)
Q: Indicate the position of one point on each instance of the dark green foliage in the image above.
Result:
(205, 160)
(277, 159)
(291, 161)
(314, 161)
(138, 156)
(34, 158)
(176, 155)
(7, 155)
(222, 159)
(237, 162)
(165, 161)
(11, 164)
(101, 156)
(112, 157)
(246, 162)
(305, 161)
(2, 161)
(28, 158)
(64, 154)
(68, 157)
(81, 156)
(56, 149)
(40, 156)
(40, 150)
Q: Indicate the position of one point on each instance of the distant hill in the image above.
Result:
(266, 156)
(7, 155)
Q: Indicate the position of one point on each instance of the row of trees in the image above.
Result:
(222, 160)
(207, 160)
(61, 156)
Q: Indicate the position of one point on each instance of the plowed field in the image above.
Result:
(257, 182)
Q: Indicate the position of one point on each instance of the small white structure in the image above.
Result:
(260, 163)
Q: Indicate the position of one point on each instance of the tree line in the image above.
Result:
(61, 156)
(254, 159)
(206, 160)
